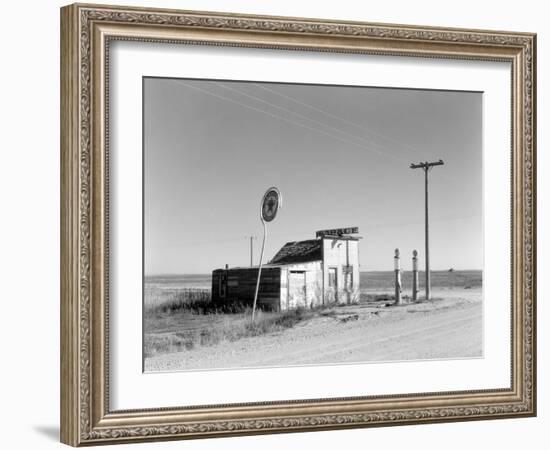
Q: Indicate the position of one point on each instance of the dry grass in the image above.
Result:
(228, 329)
(187, 318)
(190, 300)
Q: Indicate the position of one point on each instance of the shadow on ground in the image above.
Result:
(51, 432)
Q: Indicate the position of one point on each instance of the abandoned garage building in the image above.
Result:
(304, 274)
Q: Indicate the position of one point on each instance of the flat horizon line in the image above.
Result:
(173, 274)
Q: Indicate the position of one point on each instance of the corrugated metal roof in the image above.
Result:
(299, 252)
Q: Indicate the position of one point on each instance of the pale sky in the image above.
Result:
(339, 155)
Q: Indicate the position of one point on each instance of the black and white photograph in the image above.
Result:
(299, 224)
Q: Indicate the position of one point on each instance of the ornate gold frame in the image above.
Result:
(86, 31)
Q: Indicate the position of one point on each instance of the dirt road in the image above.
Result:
(450, 328)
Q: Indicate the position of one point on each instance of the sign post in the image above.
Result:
(271, 203)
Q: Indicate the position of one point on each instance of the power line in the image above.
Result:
(285, 119)
(303, 116)
(334, 116)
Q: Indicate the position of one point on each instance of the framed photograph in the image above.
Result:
(273, 224)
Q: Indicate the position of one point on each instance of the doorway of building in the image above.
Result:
(296, 289)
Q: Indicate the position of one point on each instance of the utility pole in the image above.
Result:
(251, 249)
(426, 166)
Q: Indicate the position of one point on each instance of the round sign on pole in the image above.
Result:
(271, 203)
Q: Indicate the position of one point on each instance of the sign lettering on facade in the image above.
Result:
(337, 231)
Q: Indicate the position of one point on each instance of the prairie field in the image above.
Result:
(178, 325)
(184, 329)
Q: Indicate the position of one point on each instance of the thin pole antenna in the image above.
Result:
(251, 238)
(426, 166)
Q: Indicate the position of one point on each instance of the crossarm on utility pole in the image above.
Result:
(427, 165)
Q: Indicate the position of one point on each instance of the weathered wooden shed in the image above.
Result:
(305, 274)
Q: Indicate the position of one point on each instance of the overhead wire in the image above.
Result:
(334, 116)
(286, 119)
(303, 116)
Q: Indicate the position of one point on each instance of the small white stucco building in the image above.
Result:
(303, 274)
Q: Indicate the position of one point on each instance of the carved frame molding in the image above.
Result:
(86, 31)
